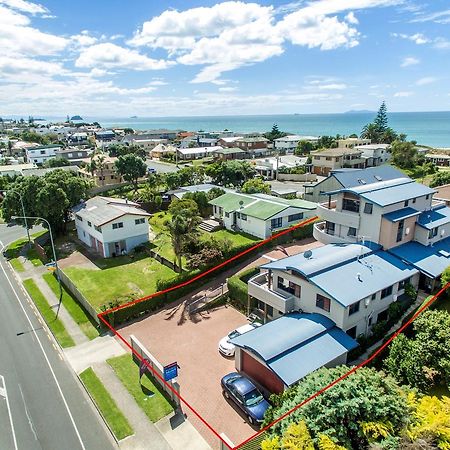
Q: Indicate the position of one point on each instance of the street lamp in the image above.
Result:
(53, 248)
(23, 212)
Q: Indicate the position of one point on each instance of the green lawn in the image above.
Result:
(79, 315)
(17, 265)
(33, 256)
(121, 279)
(155, 406)
(49, 315)
(106, 404)
(13, 250)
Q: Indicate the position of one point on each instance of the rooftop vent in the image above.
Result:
(377, 177)
(444, 253)
(361, 181)
(307, 254)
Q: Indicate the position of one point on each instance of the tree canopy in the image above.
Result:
(379, 131)
(131, 168)
(404, 154)
(274, 133)
(440, 178)
(230, 173)
(255, 186)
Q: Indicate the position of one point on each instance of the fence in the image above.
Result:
(163, 260)
(207, 298)
(297, 177)
(156, 367)
(78, 295)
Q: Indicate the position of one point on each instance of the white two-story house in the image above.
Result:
(260, 215)
(111, 226)
(39, 155)
(351, 284)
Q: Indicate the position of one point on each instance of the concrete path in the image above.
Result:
(98, 350)
(146, 435)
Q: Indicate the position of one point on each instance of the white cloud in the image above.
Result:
(233, 34)
(409, 61)
(84, 39)
(228, 89)
(417, 38)
(24, 6)
(426, 80)
(442, 17)
(403, 94)
(111, 56)
(442, 43)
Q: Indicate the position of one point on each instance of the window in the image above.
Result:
(406, 203)
(386, 292)
(323, 302)
(238, 215)
(294, 217)
(433, 233)
(352, 332)
(374, 296)
(368, 208)
(414, 200)
(383, 315)
(79, 218)
(427, 196)
(42, 152)
(329, 227)
(403, 283)
(139, 221)
(227, 214)
(69, 155)
(96, 228)
(353, 309)
(244, 216)
(89, 224)
(117, 225)
(289, 286)
(350, 205)
(276, 223)
(351, 232)
(401, 226)
(328, 158)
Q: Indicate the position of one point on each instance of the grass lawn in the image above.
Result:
(13, 250)
(106, 404)
(17, 265)
(121, 279)
(79, 315)
(33, 256)
(49, 315)
(156, 406)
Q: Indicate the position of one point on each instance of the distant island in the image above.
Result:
(133, 117)
(359, 111)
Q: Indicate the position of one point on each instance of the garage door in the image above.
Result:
(260, 373)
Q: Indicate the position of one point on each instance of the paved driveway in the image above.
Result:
(170, 335)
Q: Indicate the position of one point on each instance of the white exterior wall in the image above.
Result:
(36, 156)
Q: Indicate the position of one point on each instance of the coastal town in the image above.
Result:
(200, 284)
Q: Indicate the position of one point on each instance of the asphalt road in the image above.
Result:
(42, 404)
(161, 167)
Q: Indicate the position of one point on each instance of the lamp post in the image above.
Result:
(23, 212)
(54, 252)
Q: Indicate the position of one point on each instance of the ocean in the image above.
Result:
(427, 128)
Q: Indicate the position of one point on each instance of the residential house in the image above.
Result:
(268, 167)
(228, 141)
(227, 153)
(375, 154)
(258, 146)
(105, 138)
(162, 151)
(144, 141)
(196, 152)
(350, 284)
(42, 153)
(439, 159)
(347, 178)
(40, 172)
(15, 169)
(282, 352)
(352, 142)
(205, 187)
(289, 143)
(259, 214)
(324, 161)
(104, 173)
(111, 226)
(443, 194)
(79, 138)
(74, 155)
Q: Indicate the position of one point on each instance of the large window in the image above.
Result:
(330, 227)
(386, 292)
(294, 217)
(139, 221)
(79, 218)
(96, 228)
(401, 226)
(276, 223)
(368, 208)
(433, 233)
(353, 308)
(351, 205)
(117, 225)
(351, 232)
(244, 216)
(352, 332)
(403, 283)
(289, 286)
(323, 302)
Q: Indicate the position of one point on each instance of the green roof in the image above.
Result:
(229, 151)
(260, 206)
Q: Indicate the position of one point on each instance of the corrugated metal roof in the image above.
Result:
(434, 218)
(401, 214)
(296, 344)
(357, 177)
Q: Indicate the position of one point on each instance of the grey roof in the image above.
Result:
(101, 210)
(42, 172)
(356, 177)
(295, 345)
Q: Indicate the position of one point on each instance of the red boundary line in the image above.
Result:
(203, 274)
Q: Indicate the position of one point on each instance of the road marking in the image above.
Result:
(1, 243)
(47, 360)
(27, 414)
(4, 393)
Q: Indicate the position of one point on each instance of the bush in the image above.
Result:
(238, 289)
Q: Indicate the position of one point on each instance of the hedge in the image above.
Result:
(238, 289)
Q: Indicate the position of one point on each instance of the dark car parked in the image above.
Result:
(247, 397)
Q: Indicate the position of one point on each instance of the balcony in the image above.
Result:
(321, 234)
(258, 288)
(329, 213)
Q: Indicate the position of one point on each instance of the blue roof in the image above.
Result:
(296, 344)
(322, 258)
(401, 214)
(431, 260)
(363, 277)
(356, 177)
(435, 217)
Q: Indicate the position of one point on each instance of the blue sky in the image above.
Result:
(136, 57)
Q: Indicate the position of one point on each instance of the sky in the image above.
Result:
(118, 58)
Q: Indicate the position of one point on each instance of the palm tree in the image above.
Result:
(371, 131)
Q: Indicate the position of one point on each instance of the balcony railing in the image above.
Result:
(258, 287)
(328, 236)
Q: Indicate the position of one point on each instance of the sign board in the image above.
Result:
(171, 371)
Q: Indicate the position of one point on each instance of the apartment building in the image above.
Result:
(324, 161)
(289, 143)
(352, 142)
(42, 153)
(375, 154)
(102, 173)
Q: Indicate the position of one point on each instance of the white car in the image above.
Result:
(226, 347)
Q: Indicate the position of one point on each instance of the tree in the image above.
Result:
(404, 154)
(440, 178)
(304, 148)
(230, 173)
(340, 412)
(296, 437)
(184, 177)
(445, 277)
(381, 119)
(214, 193)
(201, 199)
(370, 131)
(205, 257)
(422, 360)
(56, 162)
(275, 133)
(326, 142)
(256, 185)
(131, 168)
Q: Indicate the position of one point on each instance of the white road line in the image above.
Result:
(30, 422)
(47, 360)
(4, 393)
(1, 243)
